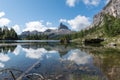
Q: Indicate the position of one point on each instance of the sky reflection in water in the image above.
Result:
(49, 61)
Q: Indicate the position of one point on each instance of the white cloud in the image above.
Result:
(17, 28)
(35, 25)
(48, 24)
(62, 20)
(2, 14)
(92, 2)
(4, 21)
(71, 3)
(38, 26)
(78, 23)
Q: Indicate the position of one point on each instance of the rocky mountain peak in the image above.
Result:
(48, 30)
(52, 33)
(112, 8)
(62, 26)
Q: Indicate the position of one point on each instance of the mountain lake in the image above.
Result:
(54, 61)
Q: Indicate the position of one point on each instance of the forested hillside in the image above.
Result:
(8, 34)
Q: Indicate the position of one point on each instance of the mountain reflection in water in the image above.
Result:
(55, 62)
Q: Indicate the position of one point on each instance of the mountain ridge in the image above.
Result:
(52, 33)
(106, 26)
(112, 8)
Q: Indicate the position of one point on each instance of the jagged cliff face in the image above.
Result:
(112, 8)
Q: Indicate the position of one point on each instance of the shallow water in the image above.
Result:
(53, 61)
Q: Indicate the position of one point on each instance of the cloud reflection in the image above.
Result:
(75, 56)
(1, 65)
(17, 50)
(39, 53)
(78, 57)
(4, 58)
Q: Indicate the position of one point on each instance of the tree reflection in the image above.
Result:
(7, 48)
(46, 60)
(62, 49)
(107, 59)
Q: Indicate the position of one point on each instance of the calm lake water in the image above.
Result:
(53, 61)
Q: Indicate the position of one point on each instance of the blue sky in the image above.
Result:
(23, 15)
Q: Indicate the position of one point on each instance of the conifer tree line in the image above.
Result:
(35, 37)
(8, 34)
(110, 27)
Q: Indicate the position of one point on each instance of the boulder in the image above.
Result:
(112, 44)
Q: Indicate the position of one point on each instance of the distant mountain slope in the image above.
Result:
(52, 33)
(62, 26)
(112, 8)
(106, 25)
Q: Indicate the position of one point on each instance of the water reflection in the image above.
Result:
(39, 53)
(1, 65)
(107, 60)
(74, 62)
(3, 58)
(3, 54)
(17, 50)
(57, 62)
(7, 48)
(78, 57)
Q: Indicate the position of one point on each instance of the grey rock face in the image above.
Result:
(25, 33)
(48, 30)
(62, 30)
(62, 26)
(112, 8)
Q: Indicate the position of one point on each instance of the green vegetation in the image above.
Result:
(46, 37)
(109, 30)
(36, 37)
(65, 39)
(85, 33)
(6, 34)
(111, 26)
(88, 77)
